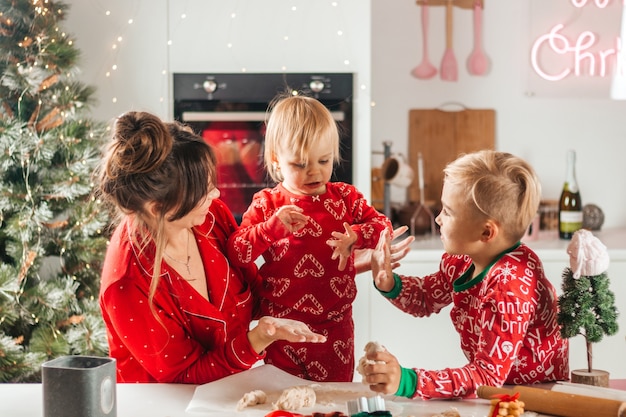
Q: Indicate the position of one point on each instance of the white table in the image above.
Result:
(171, 400)
(133, 400)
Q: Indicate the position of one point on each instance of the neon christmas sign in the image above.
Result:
(579, 52)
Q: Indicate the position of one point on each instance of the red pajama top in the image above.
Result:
(301, 281)
(191, 340)
(506, 320)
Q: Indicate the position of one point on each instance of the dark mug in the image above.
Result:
(79, 386)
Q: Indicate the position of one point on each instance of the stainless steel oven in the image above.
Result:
(229, 112)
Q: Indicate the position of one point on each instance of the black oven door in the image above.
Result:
(229, 112)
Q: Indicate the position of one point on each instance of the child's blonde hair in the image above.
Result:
(297, 123)
(499, 185)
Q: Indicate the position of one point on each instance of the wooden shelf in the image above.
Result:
(464, 4)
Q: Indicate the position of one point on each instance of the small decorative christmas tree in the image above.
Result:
(51, 229)
(587, 305)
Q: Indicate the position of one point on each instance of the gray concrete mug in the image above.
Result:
(79, 386)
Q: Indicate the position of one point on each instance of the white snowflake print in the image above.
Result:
(519, 363)
(506, 272)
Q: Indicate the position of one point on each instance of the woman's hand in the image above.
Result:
(270, 329)
(363, 257)
(384, 374)
(381, 263)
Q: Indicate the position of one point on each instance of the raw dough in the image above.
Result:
(370, 347)
(251, 398)
(295, 398)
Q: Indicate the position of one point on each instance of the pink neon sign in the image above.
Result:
(578, 53)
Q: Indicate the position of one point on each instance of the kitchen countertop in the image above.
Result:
(548, 246)
(219, 398)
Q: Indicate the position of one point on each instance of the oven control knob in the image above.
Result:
(209, 86)
(316, 86)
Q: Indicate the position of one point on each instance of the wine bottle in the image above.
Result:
(570, 205)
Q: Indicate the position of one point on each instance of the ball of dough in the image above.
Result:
(251, 398)
(370, 347)
(295, 398)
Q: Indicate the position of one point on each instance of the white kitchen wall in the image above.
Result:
(537, 128)
(160, 37)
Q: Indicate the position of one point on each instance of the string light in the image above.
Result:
(239, 16)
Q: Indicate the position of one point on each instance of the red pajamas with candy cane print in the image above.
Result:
(301, 281)
(506, 319)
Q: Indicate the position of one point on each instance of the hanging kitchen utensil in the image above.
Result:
(423, 217)
(449, 70)
(425, 69)
(478, 61)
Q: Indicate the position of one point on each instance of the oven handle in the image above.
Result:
(237, 116)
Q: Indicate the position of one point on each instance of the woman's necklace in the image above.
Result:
(185, 264)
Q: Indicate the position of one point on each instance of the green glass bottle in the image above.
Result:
(570, 205)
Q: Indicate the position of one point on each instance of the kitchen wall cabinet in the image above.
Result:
(432, 342)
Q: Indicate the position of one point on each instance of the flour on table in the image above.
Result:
(452, 412)
(251, 398)
(295, 398)
(370, 347)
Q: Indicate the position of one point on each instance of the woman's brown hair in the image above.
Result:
(154, 172)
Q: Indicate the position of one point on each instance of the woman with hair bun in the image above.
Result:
(175, 309)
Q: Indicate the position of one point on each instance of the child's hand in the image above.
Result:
(381, 263)
(342, 245)
(291, 216)
(363, 257)
(383, 373)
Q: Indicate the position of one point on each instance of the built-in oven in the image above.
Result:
(229, 112)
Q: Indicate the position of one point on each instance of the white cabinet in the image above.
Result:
(431, 342)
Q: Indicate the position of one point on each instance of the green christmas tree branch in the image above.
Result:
(587, 308)
(52, 231)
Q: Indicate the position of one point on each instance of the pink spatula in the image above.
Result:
(449, 69)
(425, 69)
(478, 61)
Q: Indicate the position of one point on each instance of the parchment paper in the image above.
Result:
(221, 397)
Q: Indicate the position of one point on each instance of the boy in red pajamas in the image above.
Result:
(503, 306)
(306, 229)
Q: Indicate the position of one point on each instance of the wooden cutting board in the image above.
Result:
(441, 136)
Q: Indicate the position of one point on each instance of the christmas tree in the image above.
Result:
(51, 228)
(587, 305)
